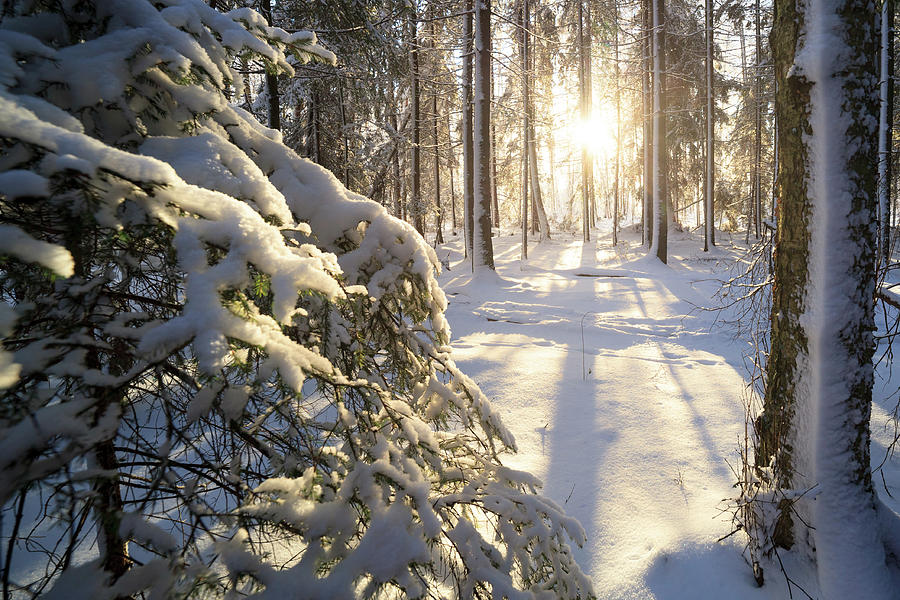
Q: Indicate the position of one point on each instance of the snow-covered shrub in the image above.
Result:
(223, 373)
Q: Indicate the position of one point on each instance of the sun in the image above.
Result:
(597, 133)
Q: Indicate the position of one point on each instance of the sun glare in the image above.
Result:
(597, 134)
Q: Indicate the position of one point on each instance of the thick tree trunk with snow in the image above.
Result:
(814, 428)
(483, 248)
(660, 193)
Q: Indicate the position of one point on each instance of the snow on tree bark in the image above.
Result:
(813, 446)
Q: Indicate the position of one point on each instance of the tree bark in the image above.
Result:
(814, 428)
(271, 78)
(757, 116)
(439, 212)
(615, 231)
(647, 109)
(416, 201)
(709, 239)
(584, 79)
(660, 220)
(467, 130)
(885, 130)
(483, 249)
(526, 129)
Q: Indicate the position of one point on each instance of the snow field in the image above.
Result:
(636, 446)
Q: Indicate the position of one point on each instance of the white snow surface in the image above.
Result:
(637, 443)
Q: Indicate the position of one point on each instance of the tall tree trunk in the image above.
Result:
(495, 210)
(439, 212)
(395, 184)
(451, 164)
(416, 201)
(660, 220)
(483, 248)
(584, 66)
(885, 130)
(344, 140)
(647, 109)
(615, 231)
(526, 129)
(757, 116)
(467, 130)
(271, 79)
(814, 428)
(709, 238)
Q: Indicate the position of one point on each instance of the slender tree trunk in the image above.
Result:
(416, 200)
(345, 141)
(584, 45)
(451, 164)
(467, 130)
(438, 209)
(709, 239)
(526, 129)
(647, 109)
(660, 195)
(395, 163)
(536, 195)
(757, 112)
(885, 130)
(615, 231)
(814, 429)
(483, 248)
(271, 79)
(495, 211)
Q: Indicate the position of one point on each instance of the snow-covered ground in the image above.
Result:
(626, 401)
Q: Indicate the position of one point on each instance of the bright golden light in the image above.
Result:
(597, 134)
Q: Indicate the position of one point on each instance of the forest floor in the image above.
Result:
(625, 398)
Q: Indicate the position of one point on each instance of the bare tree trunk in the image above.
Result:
(584, 78)
(615, 231)
(709, 238)
(483, 248)
(345, 141)
(660, 195)
(647, 108)
(416, 201)
(885, 130)
(451, 164)
(439, 211)
(467, 130)
(526, 128)
(271, 79)
(395, 184)
(757, 112)
(495, 211)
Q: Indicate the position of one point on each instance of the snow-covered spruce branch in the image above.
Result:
(222, 371)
